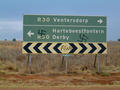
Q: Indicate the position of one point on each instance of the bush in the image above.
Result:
(11, 67)
(14, 40)
(105, 74)
(119, 39)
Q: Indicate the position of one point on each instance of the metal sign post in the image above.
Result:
(29, 63)
(95, 61)
(66, 65)
(66, 59)
(98, 56)
(63, 59)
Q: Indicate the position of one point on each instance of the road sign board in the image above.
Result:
(64, 34)
(64, 48)
(64, 20)
(51, 30)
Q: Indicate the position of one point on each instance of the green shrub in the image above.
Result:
(105, 74)
(119, 39)
(14, 40)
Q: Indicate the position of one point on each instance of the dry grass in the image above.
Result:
(11, 56)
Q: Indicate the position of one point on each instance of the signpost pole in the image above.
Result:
(98, 56)
(63, 57)
(95, 61)
(66, 64)
(29, 62)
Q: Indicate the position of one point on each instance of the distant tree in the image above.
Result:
(5, 40)
(119, 39)
(14, 39)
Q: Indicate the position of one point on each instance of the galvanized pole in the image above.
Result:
(98, 56)
(66, 59)
(28, 60)
(63, 59)
(95, 61)
(29, 63)
(66, 64)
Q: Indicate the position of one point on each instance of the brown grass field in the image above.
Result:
(48, 70)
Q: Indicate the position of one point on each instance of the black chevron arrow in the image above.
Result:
(46, 48)
(103, 48)
(93, 48)
(26, 47)
(74, 48)
(56, 48)
(36, 47)
(83, 48)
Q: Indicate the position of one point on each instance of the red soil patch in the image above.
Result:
(78, 79)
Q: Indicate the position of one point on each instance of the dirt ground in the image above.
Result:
(68, 88)
(58, 80)
(13, 72)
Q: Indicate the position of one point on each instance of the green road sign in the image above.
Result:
(58, 28)
(64, 34)
(64, 20)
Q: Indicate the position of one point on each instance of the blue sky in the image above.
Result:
(11, 12)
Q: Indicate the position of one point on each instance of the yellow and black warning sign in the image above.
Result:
(64, 48)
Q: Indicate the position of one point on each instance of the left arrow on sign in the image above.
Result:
(30, 33)
(26, 47)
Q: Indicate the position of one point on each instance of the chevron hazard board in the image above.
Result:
(64, 48)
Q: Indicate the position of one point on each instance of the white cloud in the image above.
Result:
(10, 29)
(10, 26)
(1, 28)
